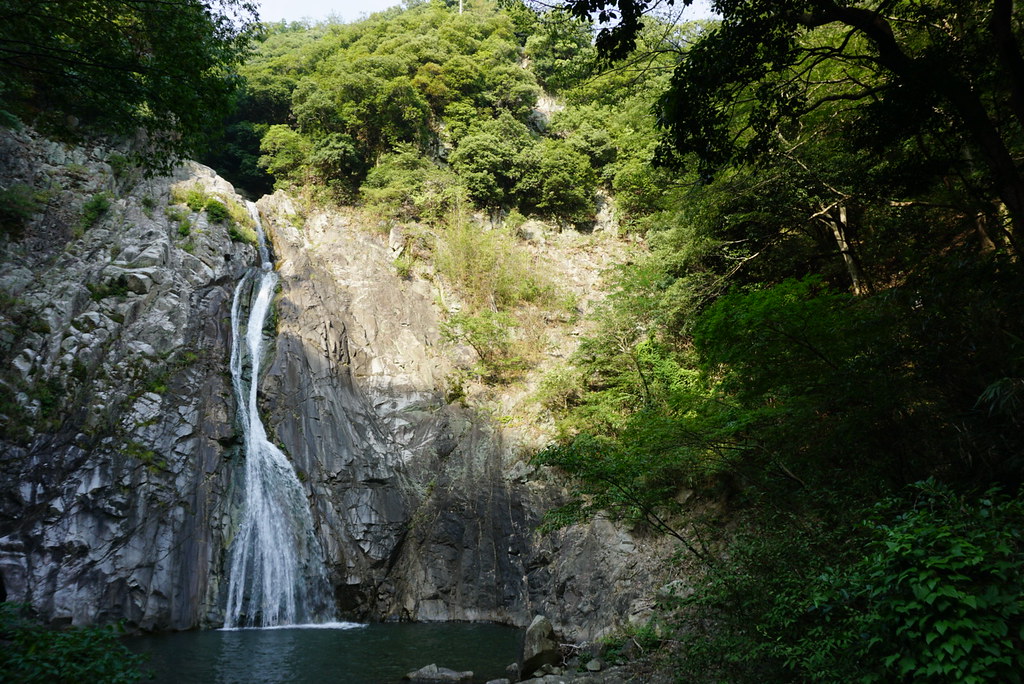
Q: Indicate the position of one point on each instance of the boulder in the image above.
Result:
(433, 673)
(539, 645)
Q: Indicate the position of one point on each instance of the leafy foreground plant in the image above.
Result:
(30, 652)
(936, 597)
(939, 594)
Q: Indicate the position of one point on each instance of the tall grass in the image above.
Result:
(491, 271)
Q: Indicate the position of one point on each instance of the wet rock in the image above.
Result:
(433, 673)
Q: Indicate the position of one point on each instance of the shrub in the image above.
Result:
(17, 205)
(118, 287)
(119, 164)
(285, 154)
(94, 208)
(195, 197)
(404, 265)
(938, 595)
(217, 211)
(180, 217)
(32, 653)
(239, 215)
(175, 213)
(491, 270)
(244, 234)
(408, 186)
(556, 180)
(935, 597)
(489, 333)
(148, 204)
(485, 159)
(560, 389)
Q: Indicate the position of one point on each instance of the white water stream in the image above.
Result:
(277, 574)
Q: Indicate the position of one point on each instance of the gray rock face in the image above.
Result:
(409, 493)
(120, 462)
(116, 409)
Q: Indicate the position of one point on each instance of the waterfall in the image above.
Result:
(277, 574)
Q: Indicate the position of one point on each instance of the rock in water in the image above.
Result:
(539, 646)
(433, 673)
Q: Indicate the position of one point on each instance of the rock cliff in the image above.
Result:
(120, 458)
(117, 414)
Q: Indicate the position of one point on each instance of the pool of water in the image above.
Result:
(346, 653)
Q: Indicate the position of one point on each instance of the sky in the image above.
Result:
(350, 10)
(294, 10)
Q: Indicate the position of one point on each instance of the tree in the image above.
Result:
(556, 180)
(486, 158)
(356, 92)
(284, 154)
(410, 187)
(943, 71)
(124, 65)
(560, 51)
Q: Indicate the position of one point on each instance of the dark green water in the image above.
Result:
(364, 654)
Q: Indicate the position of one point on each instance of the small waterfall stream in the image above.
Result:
(277, 575)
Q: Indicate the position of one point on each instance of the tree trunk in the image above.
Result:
(837, 221)
(987, 245)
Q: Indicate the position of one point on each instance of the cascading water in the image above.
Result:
(277, 574)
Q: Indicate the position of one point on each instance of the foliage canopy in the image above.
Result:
(120, 67)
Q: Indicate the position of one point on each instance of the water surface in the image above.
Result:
(345, 654)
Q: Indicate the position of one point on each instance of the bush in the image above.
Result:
(938, 595)
(196, 197)
(408, 186)
(489, 333)
(217, 211)
(31, 653)
(240, 215)
(556, 180)
(560, 389)
(94, 208)
(17, 205)
(404, 265)
(285, 154)
(485, 159)
(935, 598)
(119, 165)
(116, 287)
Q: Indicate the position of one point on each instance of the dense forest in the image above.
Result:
(813, 379)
